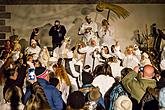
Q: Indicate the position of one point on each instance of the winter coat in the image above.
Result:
(137, 87)
(52, 94)
(57, 35)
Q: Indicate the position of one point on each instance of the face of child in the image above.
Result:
(130, 51)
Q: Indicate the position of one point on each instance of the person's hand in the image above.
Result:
(31, 81)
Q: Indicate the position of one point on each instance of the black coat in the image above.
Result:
(57, 35)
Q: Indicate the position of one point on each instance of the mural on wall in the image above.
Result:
(25, 18)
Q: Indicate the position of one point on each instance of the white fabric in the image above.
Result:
(107, 35)
(85, 25)
(44, 57)
(103, 82)
(138, 54)
(30, 64)
(72, 68)
(64, 88)
(74, 86)
(34, 51)
(1, 63)
(15, 55)
(162, 97)
(116, 69)
(162, 65)
(146, 61)
(130, 61)
(6, 106)
(88, 50)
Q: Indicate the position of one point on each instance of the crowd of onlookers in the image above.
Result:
(92, 75)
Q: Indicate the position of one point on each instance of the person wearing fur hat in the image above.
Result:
(123, 103)
(33, 49)
(52, 94)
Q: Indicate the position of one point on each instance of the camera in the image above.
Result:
(31, 73)
(141, 69)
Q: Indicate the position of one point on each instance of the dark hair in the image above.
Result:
(76, 100)
(59, 62)
(112, 47)
(13, 95)
(57, 21)
(104, 69)
(124, 72)
(107, 49)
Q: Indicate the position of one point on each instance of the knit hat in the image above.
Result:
(162, 65)
(41, 72)
(94, 94)
(76, 100)
(162, 97)
(123, 103)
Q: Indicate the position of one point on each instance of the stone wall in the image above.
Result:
(26, 17)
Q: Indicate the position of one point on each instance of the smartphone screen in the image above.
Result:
(31, 73)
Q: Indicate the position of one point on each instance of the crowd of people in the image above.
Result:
(95, 74)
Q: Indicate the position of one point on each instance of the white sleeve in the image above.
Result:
(72, 68)
(83, 50)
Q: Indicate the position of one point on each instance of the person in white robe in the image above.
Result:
(44, 56)
(145, 59)
(106, 33)
(89, 51)
(33, 49)
(130, 60)
(88, 23)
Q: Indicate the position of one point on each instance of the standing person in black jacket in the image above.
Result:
(57, 32)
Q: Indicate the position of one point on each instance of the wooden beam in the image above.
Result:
(2, 22)
(17, 2)
(5, 28)
(5, 15)
(2, 8)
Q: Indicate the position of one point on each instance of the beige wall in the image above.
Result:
(26, 17)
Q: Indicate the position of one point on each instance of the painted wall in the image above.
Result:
(26, 17)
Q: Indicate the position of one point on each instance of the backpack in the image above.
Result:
(112, 94)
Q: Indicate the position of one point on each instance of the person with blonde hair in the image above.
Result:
(64, 81)
(130, 60)
(44, 56)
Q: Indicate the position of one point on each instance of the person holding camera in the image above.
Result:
(57, 32)
(137, 81)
